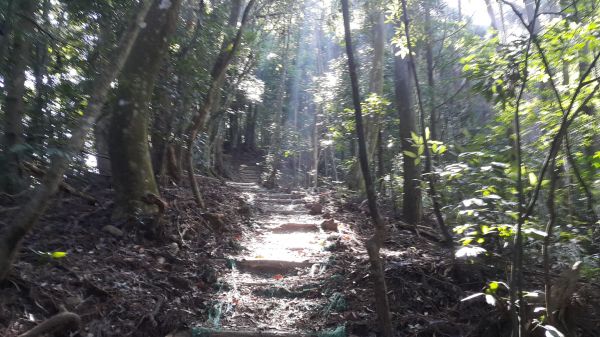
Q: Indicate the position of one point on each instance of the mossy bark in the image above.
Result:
(133, 175)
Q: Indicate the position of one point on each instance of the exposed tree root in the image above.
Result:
(63, 319)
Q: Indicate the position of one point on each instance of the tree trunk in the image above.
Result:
(162, 122)
(372, 125)
(13, 234)
(14, 105)
(38, 125)
(434, 118)
(315, 148)
(276, 138)
(492, 15)
(412, 209)
(101, 144)
(234, 129)
(218, 162)
(250, 128)
(447, 236)
(375, 242)
(133, 176)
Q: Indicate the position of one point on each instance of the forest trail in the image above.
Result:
(276, 284)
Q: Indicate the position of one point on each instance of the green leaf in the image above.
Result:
(493, 286)
(442, 149)
(533, 180)
(58, 255)
(416, 139)
(410, 154)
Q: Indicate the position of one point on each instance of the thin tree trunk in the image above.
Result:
(276, 138)
(37, 127)
(591, 216)
(547, 240)
(101, 145)
(492, 15)
(447, 237)
(29, 214)
(372, 125)
(250, 128)
(380, 162)
(14, 105)
(199, 120)
(412, 209)
(162, 122)
(434, 119)
(315, 148)
(8, 8)
(375, 242)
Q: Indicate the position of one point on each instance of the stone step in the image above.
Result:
(280, 196)
(247, 186)
(282, 201)
(271, 266)
(222, 333)
(295, 227)
(235, 183)
(287, 211)
(278, 291)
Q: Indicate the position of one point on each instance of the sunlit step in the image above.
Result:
(216, 333)
(282, 201)
(294, 227)
(280, 196)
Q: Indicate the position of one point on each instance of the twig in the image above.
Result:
(40, 173)
(516, 277)
(584, 186)
(151, 316)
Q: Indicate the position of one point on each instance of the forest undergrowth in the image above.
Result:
(122, 281)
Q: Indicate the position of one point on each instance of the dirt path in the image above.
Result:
(278, 284)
